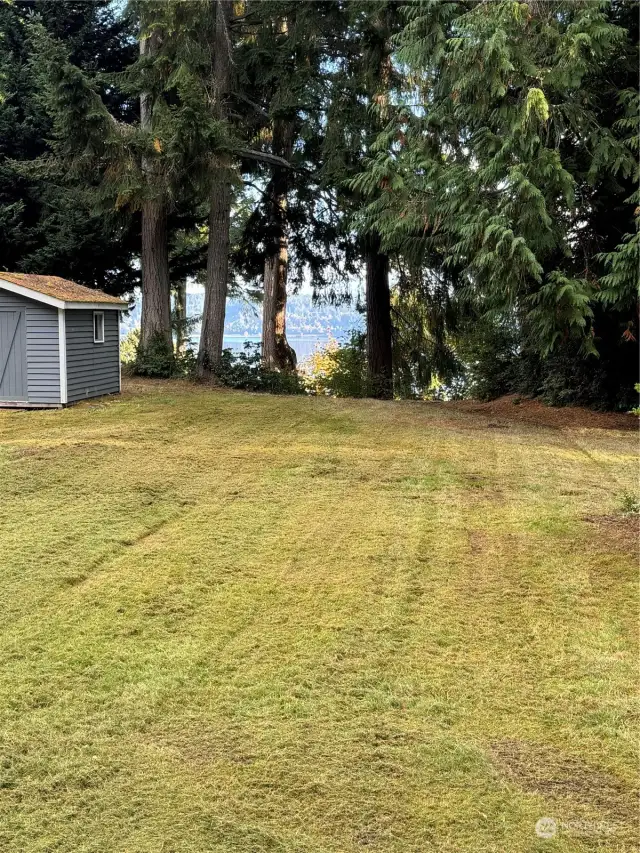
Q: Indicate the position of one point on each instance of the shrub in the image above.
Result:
(629, 504)
(338, 370)
(129, 348)
(489, 351)
(497, 363)
(184, 363)
(244, 371)
(158, 360)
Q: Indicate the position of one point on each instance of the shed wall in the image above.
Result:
(92, 369)
(43, 356)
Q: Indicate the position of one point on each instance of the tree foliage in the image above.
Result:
(48, 219)
(514, 127)
(476, 162)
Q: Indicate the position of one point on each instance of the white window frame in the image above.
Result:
(96, 339)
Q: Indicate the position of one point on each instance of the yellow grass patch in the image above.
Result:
(233, 622)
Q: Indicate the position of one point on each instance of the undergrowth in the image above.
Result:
(245, 371)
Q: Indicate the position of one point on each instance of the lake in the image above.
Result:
(304, 345)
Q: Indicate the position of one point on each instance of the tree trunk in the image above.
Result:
(215, 296)
(156, 300)
(378, 297)
(156, 296)
(276, 352)
(181, 316)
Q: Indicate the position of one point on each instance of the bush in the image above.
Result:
(158, 360)
(338, 370)
(489, 351)
(129, 349)
(184, 364)
(155, 360)
(245, 371)
(568, 378)
(629, 504)
(499, 360)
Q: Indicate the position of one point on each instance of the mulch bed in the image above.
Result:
(514, 408)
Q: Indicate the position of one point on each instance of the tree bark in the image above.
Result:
(156, 300)
(276, 352)
(156, 296)
(181, 316)
(378, 296)
(215, 296)
(378, 300)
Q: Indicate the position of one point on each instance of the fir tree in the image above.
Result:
(48, 220)
(282, 62)
(496, 166)
(361, 106)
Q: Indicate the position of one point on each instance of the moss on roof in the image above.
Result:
(60, 288)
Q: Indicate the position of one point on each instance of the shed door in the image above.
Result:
(13, 356)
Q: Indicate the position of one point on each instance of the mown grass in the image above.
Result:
(233, 622)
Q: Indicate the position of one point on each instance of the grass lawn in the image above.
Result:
(232, 622)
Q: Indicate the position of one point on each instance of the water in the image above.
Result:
(304, 345)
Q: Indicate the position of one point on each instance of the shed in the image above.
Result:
(59, 341)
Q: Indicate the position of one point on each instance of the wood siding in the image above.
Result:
(42, 353)
(92, 369)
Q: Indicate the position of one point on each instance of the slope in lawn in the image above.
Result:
(243, 623)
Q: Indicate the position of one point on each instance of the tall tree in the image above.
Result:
(276, 352)
(495, 169)
(361, 107)
(378, 75)
(154, 254)
(47, 217)
(149, 166)
(89, 139)
(283, 60)
(220, 198)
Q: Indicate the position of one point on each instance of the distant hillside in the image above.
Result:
(303, 317)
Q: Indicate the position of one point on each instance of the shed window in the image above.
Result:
(98, 327)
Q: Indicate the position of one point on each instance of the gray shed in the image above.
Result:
(59, 341)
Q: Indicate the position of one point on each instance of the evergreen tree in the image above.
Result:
(361, 106)
(497, 167)
(284, 59)
(220, 197)
(47, 218)
(151, 166)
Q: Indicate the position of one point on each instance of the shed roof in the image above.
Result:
(60, 289)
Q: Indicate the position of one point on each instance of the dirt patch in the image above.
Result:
(478, 541)
(543, 770)
(477, 488)
(616, 532)
(523, 410)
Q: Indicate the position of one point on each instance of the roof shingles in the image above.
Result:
(60, 288)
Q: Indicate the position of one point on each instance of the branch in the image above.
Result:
(261, 112)
(263, 157)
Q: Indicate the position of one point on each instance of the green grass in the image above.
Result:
(232, 622)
